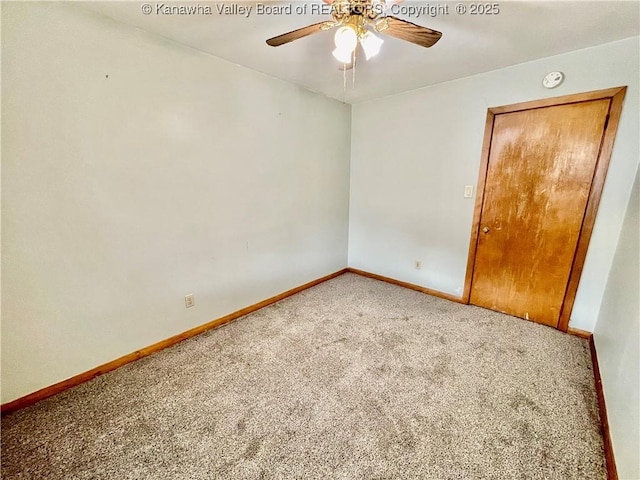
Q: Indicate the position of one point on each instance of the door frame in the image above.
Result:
(597, 183)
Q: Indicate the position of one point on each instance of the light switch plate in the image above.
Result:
(189, 300)
(468, 191)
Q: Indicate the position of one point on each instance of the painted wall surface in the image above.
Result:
(412, 154)
(136, 171)
(617, 339)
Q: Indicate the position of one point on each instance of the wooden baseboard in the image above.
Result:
(612, 472)
(49, 391)
(572, 331)
(579, 333)
(428, 291)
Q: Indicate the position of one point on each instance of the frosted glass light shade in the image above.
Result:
(342, 55)
(371, 44)
(346, 39)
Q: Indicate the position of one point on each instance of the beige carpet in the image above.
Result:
(352, 379)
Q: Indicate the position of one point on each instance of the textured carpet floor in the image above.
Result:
(352, 379)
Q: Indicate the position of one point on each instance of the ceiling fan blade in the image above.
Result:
(398, 28)
(296, 34)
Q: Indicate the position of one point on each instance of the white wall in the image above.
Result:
(179, 173)
(412, 154)
(617, 339)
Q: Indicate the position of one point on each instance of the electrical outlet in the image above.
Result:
(417, 264)
(189, 300)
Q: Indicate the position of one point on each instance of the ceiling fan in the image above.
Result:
(356, 22)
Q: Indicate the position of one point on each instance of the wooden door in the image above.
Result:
(540, 168)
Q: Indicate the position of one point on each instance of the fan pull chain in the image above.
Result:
(344, 84)
(353, 74)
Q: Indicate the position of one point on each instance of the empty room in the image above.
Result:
(323, 239)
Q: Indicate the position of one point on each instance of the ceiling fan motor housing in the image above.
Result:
(370, 9)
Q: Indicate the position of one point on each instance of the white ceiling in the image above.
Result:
(522, 31)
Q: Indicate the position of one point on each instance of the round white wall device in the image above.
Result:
(553, 79)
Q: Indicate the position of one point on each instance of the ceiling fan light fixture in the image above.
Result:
(343, 55)
(370, 44)
(355, 22)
